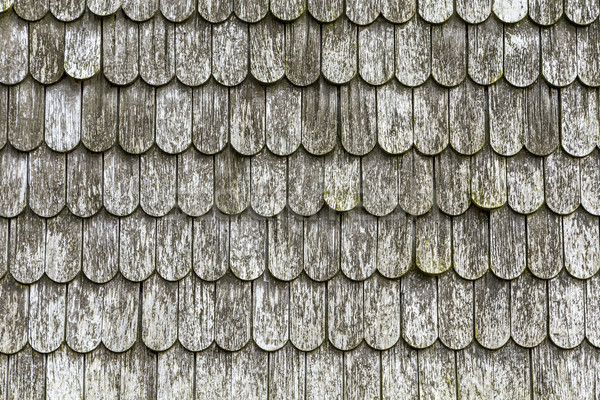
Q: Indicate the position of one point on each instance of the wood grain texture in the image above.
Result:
(158, 188)
(474, 11)
(47, 314)
(120, 315)
(545, 12)
(419, 315)
(159, 313)
(302, 50)
(4, 90)
(340, 51)
(157, 50)
(210, 112)
(452, 182)
(215, 10)
(25, 119)
(433, 248)
(193, 51)
(174, 245)
(415, 188)
(448, 50)
(195, 182)
(102, 376)
(399, 372)
(324, 10)
(467, 117)
(174, 117)
(27, 247)
(46, 50)
(47, 181)
(319, 133)
(31, 10)
(136, 117)
(267, 50)
(283, 118)
(542, 118)
(394, 244)
(437, 372)
(488, 179)
(345, 316)
(394, 117)
(362, 373)
(592, 310)
(4, 245)
(287, 373)
(287, 10)
(120, 42)
(14, 316)
(413, 38)
(588, 52)
(376, 52)
(485, 50)
(140, 10)
(381, 312)
(581, 12)
(230, 47)
(175, 373)
(211, 245)
(233, 312)
(522, 53)
(359, 246)
(64, 374)
(83, 39)
(99, 114)
(528, 310)
(232, 182)
(177, 11)
(247, 117)
(342, 180)
(307, 313)
(84, 314)
(84, 182)
(380, 182)
(322, 245)
(358, 123)
(138, 373)
(67, 10)
(63, 247)
(507, 118)
(430, 115)
(581, 244)
(362, 12)
(492, 311)
(544, 243)
(285, 245)
(270, 312)
(100, 247)
(325, 373)
(196, 313)
(213, 374)
(269, 183)
(508, 245)
(559, 63)
(63, 115)
(104, 7)
(436, 12)
(510, 11)
(250, 11)
(137, 246)
(121, 180)
(562, 188)
(26, 378)
(14, 55)
(398, 11)
(455, 310)
(525, 181)
(590, 182)
(470, 243)
(580, 124)
(248, 246)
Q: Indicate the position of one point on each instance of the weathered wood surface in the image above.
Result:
(340, 49)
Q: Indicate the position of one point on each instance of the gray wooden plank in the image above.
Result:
(433, 250)
(269, 183)
(339, 50)
(419, 324)
(121, 194)
(100, 252)
(545, 12)
(175, 373)
(287, 373)
(140, 10)
(174, 245)
(196, 313)
(83, 38)
(137, 246)
(590, 182)
(542, 118)
(195, 182)
(4, 245)
(307, 313)
(104, 7)
(84, 314)
(467, 117)
(63, 247)
(522, 53)
(215, 10)
(448, 50)
(213, 374)
(452, 182)
(325, 10)
(158, 190)
(47, 49)
(120, 315)
(582, 12)
(193, 51)
(398, 11)
(507, 118)
(394, 244)
(488, 179)
(581, 244)
(26, 378)
(434, 11)
(345, 317)
(47, 314)
(474, 11)
(485, 49)
(588, 53)
(285, 245)
(230, 47)
(504, 373)
(414, 38)
(232, 182)
(63, 115)
(4, 90)
(174, 117)
(267, 50)
(510, 11)
(120, 42)
(210, 112)
(342, 180)
(249, 373)
(64, 374)
(157, 50)
(248, 246)
(399, 372)
(358, 244)
(14, 54)
(361, 373)
(470, 243)
(431, 118)
(211, 245)
(233, 312)
(305, 182)
(270, 312)
(492, 311)
(381, 312)
(67, 10)
(592, 310)
(362, 12)
(177, 11)
(544, 243)
(380, 182)
(415, 187)
(562, 182)
(319, 133)
(159, 313)
(528, 310)
(99, 114)
(247, 117)
(437, 372)
(325, 373)
(47, 181)
(376, 52)
(322, 245)
(102, 375)
(27, 247)
(25, 119)
(138, 373)
(580, 130)
(84, 182)
(394, 117)
(559, 53)
(14, 315)
(358, 117)
(283, 118)
(525, 181)
(302, 50)
(287, 10)
(508, 246)
(251, 10)
(455, 309)
(31, 10)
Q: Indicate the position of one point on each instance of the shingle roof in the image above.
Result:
(299, 199)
